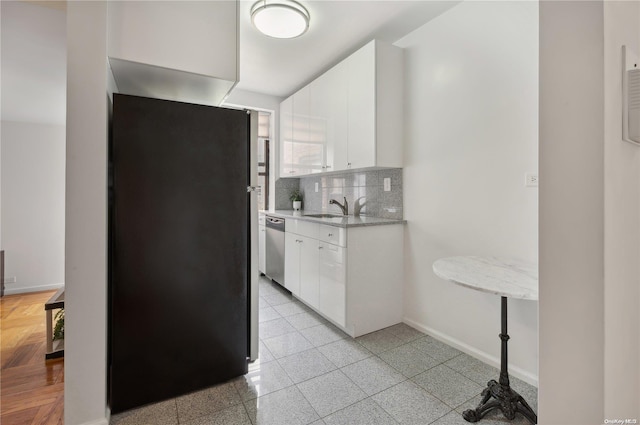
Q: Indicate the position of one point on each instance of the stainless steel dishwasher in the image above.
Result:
(274, 249)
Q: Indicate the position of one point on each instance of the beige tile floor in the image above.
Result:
(310, 372)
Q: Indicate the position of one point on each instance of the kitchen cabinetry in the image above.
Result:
(332, 282)
(301, 149)
(292, 263)
(361, 102)
(309, 284)
(301, 267)
(354, 114)
(262, 262)
(286, 138)
(351, 276)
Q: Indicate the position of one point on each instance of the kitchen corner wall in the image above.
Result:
(471, 135)
(365, 186)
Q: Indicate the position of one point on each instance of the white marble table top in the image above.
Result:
(500, 276)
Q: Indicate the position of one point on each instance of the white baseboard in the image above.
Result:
(519, 373)
(8, 290)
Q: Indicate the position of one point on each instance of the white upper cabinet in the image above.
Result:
(329, 94)
(361, 96)
(308, 151)
(176, 50)
(354, 114)
(286, 138)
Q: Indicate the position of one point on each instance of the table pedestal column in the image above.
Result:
(499, 395)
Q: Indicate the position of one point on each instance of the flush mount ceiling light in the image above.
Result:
(280, 18)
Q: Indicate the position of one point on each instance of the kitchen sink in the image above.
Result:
(323, 215)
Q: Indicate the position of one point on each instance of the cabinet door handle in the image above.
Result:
(328, 166)
(330, 234)
(320, 247)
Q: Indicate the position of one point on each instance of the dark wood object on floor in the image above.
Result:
(2, 273)
(55, 349)
(31, 389)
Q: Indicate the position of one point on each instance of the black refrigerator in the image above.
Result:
(179, 248)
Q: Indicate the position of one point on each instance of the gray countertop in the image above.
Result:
(338, 221)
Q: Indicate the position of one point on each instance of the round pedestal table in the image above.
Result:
(508, 279)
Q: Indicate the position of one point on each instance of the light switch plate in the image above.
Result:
(531, 180)
(387, 184)
(316, 186)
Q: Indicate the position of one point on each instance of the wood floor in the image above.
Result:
(31, 389)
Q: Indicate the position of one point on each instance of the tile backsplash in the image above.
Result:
(365, 187)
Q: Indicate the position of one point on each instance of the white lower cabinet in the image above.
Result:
(309, 285)
(351, 276)
(292, 263)
(332, 278)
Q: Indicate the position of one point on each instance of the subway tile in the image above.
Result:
(395, 174)
(365, 178)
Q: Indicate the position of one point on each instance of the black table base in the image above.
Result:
(499, 395)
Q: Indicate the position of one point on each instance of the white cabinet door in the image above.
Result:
(286, 138)
(292, 245)
(337, 118)
(262, 264)
(332, 270)
(361, 149)
(307, 153)
(318, 111)
(309, 271)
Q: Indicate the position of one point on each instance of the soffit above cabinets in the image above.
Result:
(140, 79)
(173, 50)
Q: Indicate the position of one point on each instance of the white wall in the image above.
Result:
(622, 223)
(85, 389)
(33, 186)
(264, 102)
(471, 107)
(571, 388)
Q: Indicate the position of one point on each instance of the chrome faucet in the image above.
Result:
(344, 208)
(357, 206)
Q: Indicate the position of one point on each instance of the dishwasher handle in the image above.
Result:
(275, 223)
